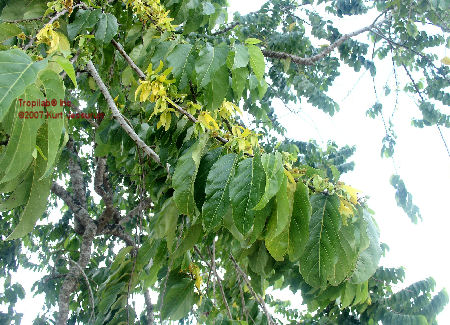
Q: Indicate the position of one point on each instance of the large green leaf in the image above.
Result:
(368, 259)
(217, 188)
(181, 59)
(17, 72)
(19, 152)
(84, 20)
(240, 56)
(203, 170)
(217, 88)
(184, 177)
(209, 61)
(21, 192)
(107, 28)
(8, 30)
(246, 189)
(54, 89)
(256, 61)
(299, 227)
(178, 300)
(23, 9)
(326, 247)
(39, 192)
(238, 81)
(166, 223)
(273, 167)
(277, 236)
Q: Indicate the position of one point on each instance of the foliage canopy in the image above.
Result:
(166, 171)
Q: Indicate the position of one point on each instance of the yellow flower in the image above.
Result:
(352, 193)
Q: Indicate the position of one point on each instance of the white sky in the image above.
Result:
(420, 158)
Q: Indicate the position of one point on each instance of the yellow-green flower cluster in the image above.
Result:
(153, 11)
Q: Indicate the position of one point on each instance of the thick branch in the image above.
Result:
(118, 116)
(71, 280)
(76, 175)
(313, 59)
(223, 31)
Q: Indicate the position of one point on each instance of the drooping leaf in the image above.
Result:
(17, 72)
(178, 300)
(39, 192)
(8, 30)
(319, 261)
(239, 79)
(166, 223)
(107, 28)
(240, 56)
(181, 59)
(256, 61)
(203, 170)
(54, 90)
(20, 194)
(299, 227)
(184, 177)
(368, 259)
(217, 88)
(217, 191)
(67, 66)
(273, 168)
(84, 20)
(23, 9)
(246, 189)
(209, 61)
(18, 153)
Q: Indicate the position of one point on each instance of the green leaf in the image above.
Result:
(17, 72)
(178, 300)
(299, 227)
(208, 8)
(256, 61)
(240, 56)
(277, 236)
(37, 200)
(54, 89)
(23, 9)
(8, 30)
(192, 235)
(107, 28)
(273, 168)
(166, 223)
(184, 177)
(258, 260)
(181, 59)
(203, 170)
(84, 20)
(368, 259)
(217, 191)
(20, 195)
(246, 189)
(239, 79)
(67, 66)
(217, 88)
(18, 154)
(326, 245)
(252, 41)
(209, 61)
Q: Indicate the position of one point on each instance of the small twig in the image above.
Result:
(142, 205)
(219, 282)
(257, 297)
(226, 29)
(91, 295)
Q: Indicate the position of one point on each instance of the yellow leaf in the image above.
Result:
(446, 60)
(208, 121)
(352, 192)
(289, 176)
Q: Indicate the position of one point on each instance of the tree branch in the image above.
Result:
(226, 29)
(142, 205)
(149, 308)
(219, 282)
(257, 297)
(313, 59)
(118, 116)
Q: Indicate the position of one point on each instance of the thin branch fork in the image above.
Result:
(118, 116)
(313, 59)
(257, 297)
